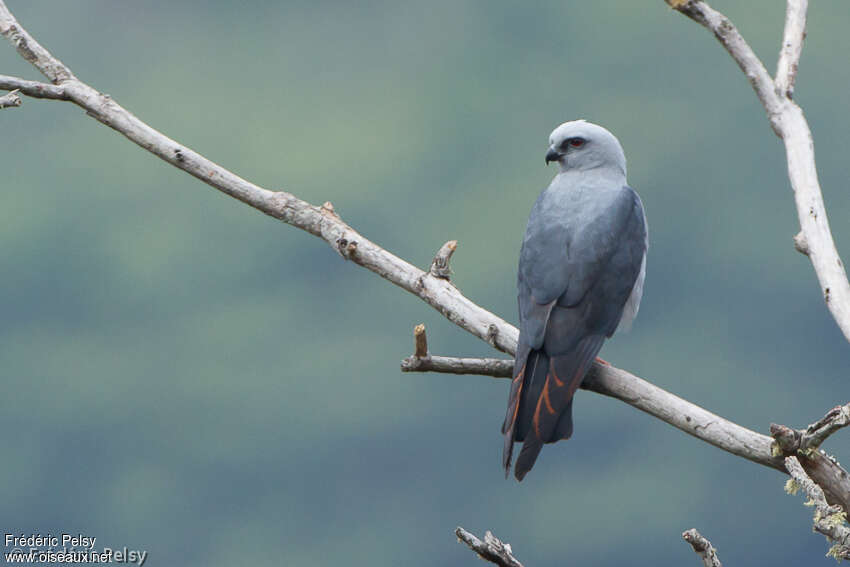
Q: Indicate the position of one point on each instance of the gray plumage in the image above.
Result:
(581, 273)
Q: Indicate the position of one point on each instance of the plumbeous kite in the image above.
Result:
(581, 272)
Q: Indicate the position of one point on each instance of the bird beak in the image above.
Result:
(552, 155)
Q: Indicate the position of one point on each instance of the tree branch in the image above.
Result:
(613, 382)
(435, 290)
(10, 100)
(495, 367)
(828, 520)
(616, 383)
(792, 440)
(319, 221)
(816, 433)
(789, 123)
(729, 37)
(32, 89)
(792, 47)
(702, 547)
(823, 469)
(491, 549)
(31, 50)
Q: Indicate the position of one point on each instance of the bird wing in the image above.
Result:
(579, 264)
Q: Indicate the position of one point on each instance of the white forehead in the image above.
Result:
(580, 129)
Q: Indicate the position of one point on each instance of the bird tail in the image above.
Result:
(514, 400)
(545, 405)
(529, 376)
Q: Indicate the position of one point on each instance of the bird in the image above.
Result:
(580, 277)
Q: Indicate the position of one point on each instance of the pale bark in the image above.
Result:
(703, 548)
(491, 549)
(788, 121)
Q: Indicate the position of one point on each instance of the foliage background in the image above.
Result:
(184, 375)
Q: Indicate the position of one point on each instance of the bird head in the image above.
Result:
(582, 146)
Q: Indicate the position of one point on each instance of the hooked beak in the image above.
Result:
(552, 155)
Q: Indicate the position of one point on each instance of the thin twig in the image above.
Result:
(792, 47)
(491, 549)
(496, 367)
(11, 100)
(702, 547)
(816, 433)
(789, 123)
(806, 440)
(828, 520)
(33, 89)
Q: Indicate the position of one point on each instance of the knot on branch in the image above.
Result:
(801, 244)
(492, 335)
(786, 441)
(440, 265)
(346, 248)
(328, 207)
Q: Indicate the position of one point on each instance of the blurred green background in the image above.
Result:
(184, 375)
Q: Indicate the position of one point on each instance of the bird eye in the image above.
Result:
(576, 142)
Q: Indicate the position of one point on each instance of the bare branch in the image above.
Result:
(613, 382)
(727, 34)
(816, 433)
(793, 440)
(690, 418)
(30, 49)
(491, 549)
(325, 223)
(828, 520)
(32, 89)
(792, 47)
(789, 123)
(702, 547)
(11, 99)
(321, 222)
(496, 367)
(440, 265)
(823, 469)
(610, 381)
(811, 212)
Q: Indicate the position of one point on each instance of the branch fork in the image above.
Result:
(788, 121)
(433, 286)
(829, 520)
